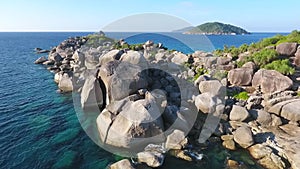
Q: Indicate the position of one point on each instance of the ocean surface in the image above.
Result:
(39, 127)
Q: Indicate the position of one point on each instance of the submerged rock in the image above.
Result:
(40, 60)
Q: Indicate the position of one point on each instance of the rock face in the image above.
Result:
(238, 113)
(123, 164)
(91, 95)
(287, 109)
(65, 83)
(240, 76)
(266, 157)
(287, 49)
(122, 79)
(40, 60)
(136, 119)
(152, 159)
(176, 140)
(243, 136)
(213, 87)
(297, 59)
(271, 81)
(180, 58)
(262, 117)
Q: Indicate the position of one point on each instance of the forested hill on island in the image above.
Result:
(216, 28)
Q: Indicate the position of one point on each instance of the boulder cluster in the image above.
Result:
(151, 100)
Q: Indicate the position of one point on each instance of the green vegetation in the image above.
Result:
(199, 72)
(135, 47)
(217, 28)
(282, 66)
(263, 57)
(239, 95)
(260, 58)
(262, 53)
(96, 40)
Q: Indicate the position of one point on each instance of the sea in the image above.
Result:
(38, 125)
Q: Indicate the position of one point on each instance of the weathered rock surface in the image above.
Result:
(110, 56)
(271, 81)
(179, 58)
(240, 76)
(214, 87)
(266, 157)
(287, 49)
(176, 140)
(243, 136)
(40, 60)
(65, 83)
(123, 164)
(136, 119)
(262, 117)
(152, 159)
(297, 57)
(238, 113)
(287, 109)
(122, 79)
(91, 95)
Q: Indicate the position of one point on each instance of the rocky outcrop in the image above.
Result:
(287, 109)
(287, 49)
(271, 81)
(122, 79)
(266, 157)
(124, 122)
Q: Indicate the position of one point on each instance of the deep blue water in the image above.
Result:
(38, 126)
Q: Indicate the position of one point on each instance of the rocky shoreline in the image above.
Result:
(265, 121)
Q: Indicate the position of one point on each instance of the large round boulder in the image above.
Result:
(240, 76)
(271, 81)
(243, 136)
(180, 58)
(131, 124)
(287, 49)
(122, 79)
(238, 113)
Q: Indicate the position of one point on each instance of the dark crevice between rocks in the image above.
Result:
(104, 93)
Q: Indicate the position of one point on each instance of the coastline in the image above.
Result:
(199, 55)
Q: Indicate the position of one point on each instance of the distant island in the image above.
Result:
(214, 28)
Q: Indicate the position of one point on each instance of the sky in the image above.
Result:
(94, 15)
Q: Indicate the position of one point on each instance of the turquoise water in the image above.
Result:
(38, 126)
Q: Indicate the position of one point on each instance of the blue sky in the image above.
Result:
(92, 15)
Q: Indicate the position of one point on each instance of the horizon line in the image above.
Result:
(95, 31)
